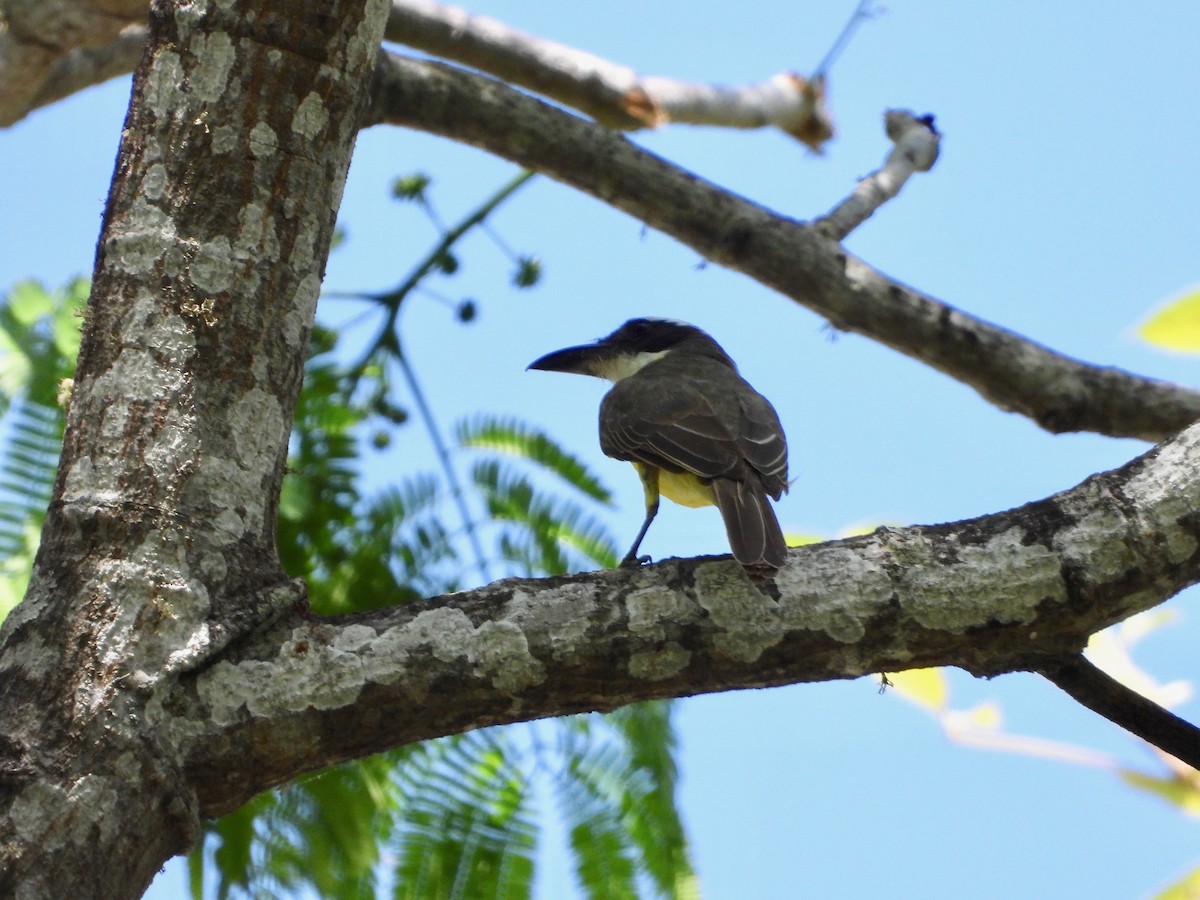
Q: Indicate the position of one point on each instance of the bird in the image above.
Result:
(694, 429)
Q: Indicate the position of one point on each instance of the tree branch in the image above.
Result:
(1059, 393)
(87, 66)
(614, 95)
(1103, 694)
(1016, 591)
(915, 149)
(37, 35)
(1018, 375)
(33, 75)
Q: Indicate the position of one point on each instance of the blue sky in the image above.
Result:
(1062, 207)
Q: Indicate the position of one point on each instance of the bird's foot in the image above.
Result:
(760, 573)
(633, 562)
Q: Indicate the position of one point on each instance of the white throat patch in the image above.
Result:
(616, 369)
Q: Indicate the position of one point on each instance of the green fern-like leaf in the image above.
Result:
(547, 524)
(514, 437)
(617, 794)
(332, 826)
(28, 462)
(39, 340)
(647, 733)
(590, 795)
(232, 839)
(322, 834)
(467, 829)
(37, 350)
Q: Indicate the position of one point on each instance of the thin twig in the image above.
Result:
(394, 298)
(388, 341)
(443, 454)
(861, 12)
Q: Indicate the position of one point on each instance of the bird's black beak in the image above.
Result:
(581, 360)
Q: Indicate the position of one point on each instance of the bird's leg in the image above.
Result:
(632, 560)
(649, 476)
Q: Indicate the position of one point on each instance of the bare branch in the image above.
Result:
(36, 71)
(1059, 393)
(614, 95)
(915, 149)
(1017, 591)
(1138, 715)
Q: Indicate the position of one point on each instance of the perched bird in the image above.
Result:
(694, 429)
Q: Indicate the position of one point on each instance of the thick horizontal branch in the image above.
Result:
(1059, 393)
(1020, 590)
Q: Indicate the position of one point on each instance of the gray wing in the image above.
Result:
(701, 418)
(762, 443)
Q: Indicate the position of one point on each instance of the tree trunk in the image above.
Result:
(159, 545)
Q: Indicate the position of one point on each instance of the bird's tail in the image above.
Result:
(754, 533)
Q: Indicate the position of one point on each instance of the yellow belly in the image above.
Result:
(682, 487)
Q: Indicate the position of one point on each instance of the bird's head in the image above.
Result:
(630, 348)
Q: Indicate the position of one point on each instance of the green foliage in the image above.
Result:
(39, 340)
(468, 829)
(411, 187)
(653, 821)
(616, 792)
(539, 531)
(515, 438)
(1188, 888)
(1180, 788)
(324, 833)
(528, 273)
(28, 461)
(355, 553)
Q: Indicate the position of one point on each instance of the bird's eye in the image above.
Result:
(643, 329)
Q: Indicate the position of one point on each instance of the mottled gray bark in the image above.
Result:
(1017, 591)
(159, 546)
